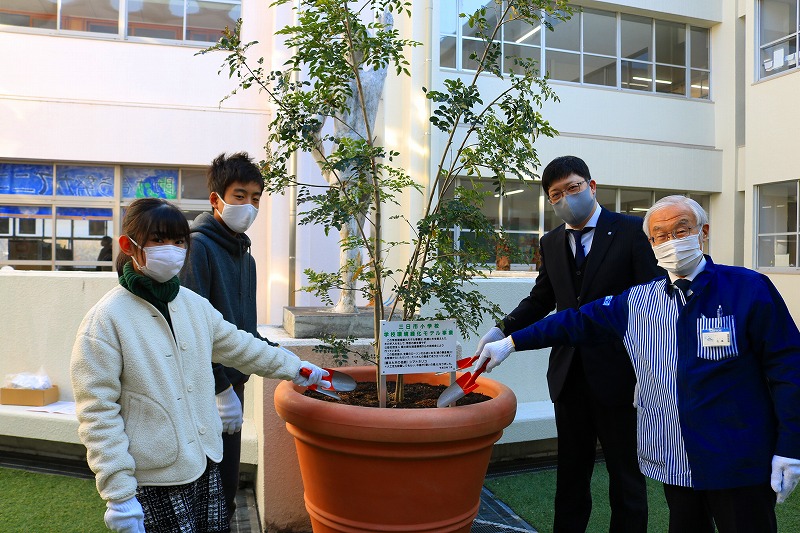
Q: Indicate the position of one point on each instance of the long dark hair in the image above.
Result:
(146, 217)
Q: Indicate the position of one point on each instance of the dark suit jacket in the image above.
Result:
(620, 257)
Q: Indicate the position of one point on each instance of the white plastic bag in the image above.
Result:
(28, 380)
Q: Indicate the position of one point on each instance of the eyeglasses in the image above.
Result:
(573, 188)
(678, 233)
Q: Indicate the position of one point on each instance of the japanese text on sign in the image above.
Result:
(418, 347)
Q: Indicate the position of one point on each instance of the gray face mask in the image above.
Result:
(575, 208)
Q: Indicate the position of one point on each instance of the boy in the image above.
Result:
(220, 268)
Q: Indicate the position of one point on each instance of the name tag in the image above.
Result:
(715, 337)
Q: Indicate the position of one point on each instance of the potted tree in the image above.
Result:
(422, 469)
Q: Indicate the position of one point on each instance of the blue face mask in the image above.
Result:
(574, 209)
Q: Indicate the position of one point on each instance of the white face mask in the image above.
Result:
(679, 256)
(238, 218)
(161, 263)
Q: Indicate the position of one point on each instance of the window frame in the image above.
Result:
(761, 72)
(546, 214)
(652, 65)
(757, 234)
(54, 201)
(123, 31)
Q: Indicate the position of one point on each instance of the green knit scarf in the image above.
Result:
(158, 294)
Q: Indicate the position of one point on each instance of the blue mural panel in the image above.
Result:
(149, 183)
(84, 213)
(26, 179)
(25, 211)
(94, 182)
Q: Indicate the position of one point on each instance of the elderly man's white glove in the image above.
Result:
(785, 475)
(310, 374)
(230, 411)
(494, 334)
(125, 517)
(495, 353)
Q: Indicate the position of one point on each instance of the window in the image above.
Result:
(142, 182)
(194, 184)
(91, 181)
(593, 47)
(778, 33)
(54, 216)
(777, 225)
(524, 214)
(76, 248)
(521, 40)
(177, 20)
(562, 50)
(512, 212)
(600, 48)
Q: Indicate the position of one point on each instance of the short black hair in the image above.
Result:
(227, 170)
(562, 167)
(146, 217)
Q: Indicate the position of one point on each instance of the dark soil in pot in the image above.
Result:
(416, 396)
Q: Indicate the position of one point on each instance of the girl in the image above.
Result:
(144, 390)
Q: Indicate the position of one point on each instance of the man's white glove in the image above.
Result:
(230, 411)
(494, 334)
(495, 353)
(314, 376)
(785, 475)
(125, 517)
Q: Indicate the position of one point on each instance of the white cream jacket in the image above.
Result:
(145, 399)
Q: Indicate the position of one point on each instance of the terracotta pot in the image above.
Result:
(368, 470)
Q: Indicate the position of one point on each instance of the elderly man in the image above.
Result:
(717, 360)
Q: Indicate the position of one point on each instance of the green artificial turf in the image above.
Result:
(531, 496)
(43, 503)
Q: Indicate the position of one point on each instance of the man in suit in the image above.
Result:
(595, 253)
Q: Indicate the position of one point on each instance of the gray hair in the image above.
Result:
(700, 216)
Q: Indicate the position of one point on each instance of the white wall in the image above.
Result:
(85, 99)
(42, 313)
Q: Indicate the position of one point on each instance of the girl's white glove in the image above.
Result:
(125, 517)
(314, 376)
(230, 411)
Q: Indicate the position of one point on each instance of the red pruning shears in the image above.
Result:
(463, 386)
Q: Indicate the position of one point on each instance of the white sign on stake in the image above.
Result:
(415, 347)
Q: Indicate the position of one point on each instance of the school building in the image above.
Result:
(105, 101)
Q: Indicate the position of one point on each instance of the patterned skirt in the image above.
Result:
(197, 507)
